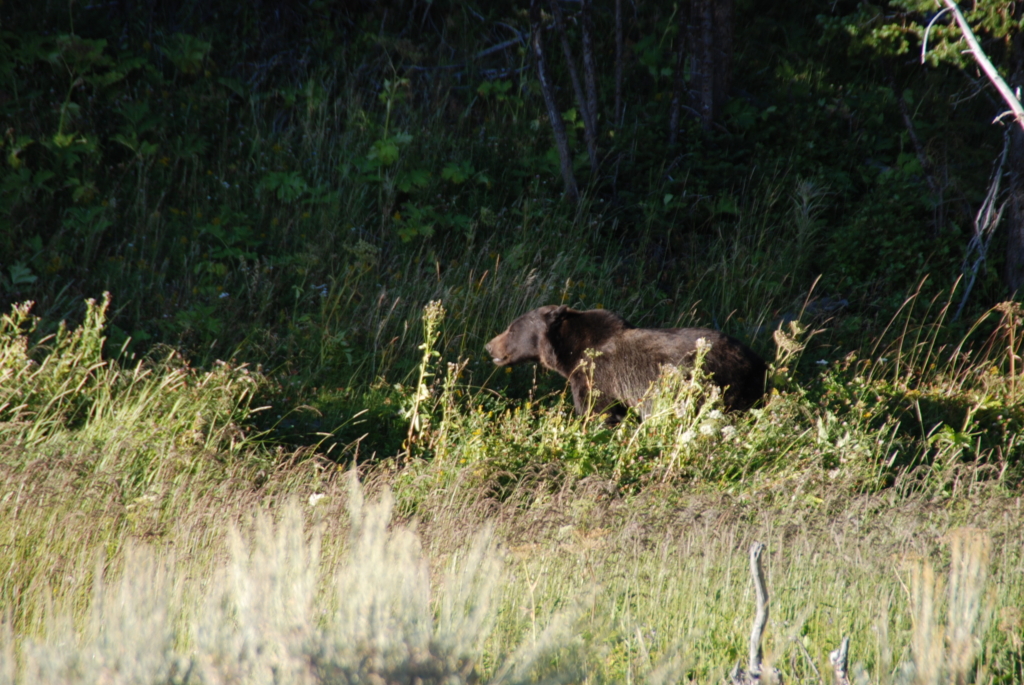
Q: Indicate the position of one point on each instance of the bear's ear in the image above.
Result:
(555, 314)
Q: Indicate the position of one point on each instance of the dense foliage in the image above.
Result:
(224, 169)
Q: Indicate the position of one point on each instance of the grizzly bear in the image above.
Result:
(628, 360)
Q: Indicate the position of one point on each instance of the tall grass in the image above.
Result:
(332, 591)
(96, 451)
(273, 610)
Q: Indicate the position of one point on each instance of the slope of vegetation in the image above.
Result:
(266, 243)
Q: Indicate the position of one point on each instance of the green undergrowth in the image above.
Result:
(921, 411)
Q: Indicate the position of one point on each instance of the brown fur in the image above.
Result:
(629, 359)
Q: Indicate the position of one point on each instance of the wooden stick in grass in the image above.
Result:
(838, 659)
(761, 617)
(752, 675)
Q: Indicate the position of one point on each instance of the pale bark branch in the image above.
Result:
(986, 65)
(761, 617)
(985, 222)
(752, 676)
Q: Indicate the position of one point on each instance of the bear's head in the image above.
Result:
(527, 338)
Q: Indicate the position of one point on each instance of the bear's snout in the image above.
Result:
(496, 348)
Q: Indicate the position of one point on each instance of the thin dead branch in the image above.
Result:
(986, 65)
(985, 222)
(752, 676)
(919, 150)
(761, 617)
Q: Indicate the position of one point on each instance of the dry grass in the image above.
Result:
(271, 608)
(588, 589)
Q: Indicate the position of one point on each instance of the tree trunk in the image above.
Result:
(589, 124)
(702, 28)
(548, 91)
(722, 55)
(589, 65)
(709, 39)
(619, 57)
(1015, 240)
(678, 74)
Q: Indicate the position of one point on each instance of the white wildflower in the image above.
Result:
(728, 431)
(686, 437)
(316, 497)
(708, 429)
(822, 362)
(715, 415)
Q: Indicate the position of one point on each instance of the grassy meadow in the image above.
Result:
(249, 259)
(153, 534)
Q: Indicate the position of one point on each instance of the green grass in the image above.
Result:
(593, 590)
(149, 536)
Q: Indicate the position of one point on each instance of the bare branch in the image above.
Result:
(924, 42)
(938, 216)
(985, 222)
(983, 61)
(519, 38)
(810, 661)
(752, 676)
(761, 618)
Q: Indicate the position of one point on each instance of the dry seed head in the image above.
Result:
(786, 343)
(1009, 307)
